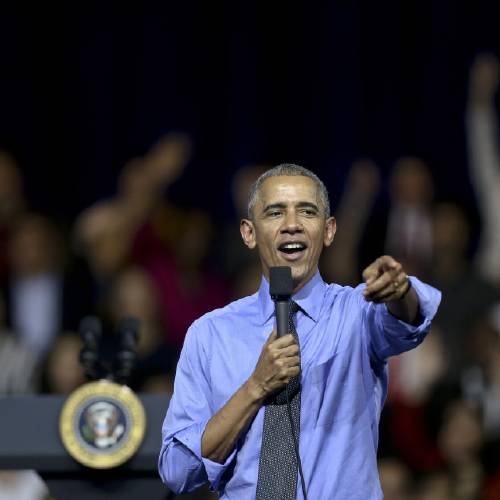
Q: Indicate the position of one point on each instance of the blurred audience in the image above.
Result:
(172, 244)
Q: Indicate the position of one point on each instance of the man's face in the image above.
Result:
(289, 226)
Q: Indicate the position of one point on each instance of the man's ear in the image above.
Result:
(247, 231)
(330, 228)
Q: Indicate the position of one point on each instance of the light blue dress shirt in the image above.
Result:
(345, 342)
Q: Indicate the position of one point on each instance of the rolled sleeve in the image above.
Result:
(389, 335)
(215, 471)
(180, 465)
(191, 438)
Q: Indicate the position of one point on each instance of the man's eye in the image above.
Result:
(308, 211)
(274, 213)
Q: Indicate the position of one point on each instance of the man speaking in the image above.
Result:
(261, 415)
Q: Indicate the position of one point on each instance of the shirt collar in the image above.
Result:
(309, 298)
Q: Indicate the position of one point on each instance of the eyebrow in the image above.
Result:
(300, 204)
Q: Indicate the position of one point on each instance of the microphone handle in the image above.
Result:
(282, 308)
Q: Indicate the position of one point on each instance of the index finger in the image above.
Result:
(386, 279)
(388, 263)
(284, 341)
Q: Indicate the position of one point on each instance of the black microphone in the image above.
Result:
(126, 357)
(280, 289)
(91, 331)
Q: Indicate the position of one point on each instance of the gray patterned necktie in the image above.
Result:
(277, 479)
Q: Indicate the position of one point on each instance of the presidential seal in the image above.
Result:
(102, 424)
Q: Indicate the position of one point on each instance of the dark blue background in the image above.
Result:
(87, 86)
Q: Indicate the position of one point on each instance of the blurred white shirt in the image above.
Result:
(36, 311)
(22, 485)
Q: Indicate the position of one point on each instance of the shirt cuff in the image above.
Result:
(400, 336)
(191, 439)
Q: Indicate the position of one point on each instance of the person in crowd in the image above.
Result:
(12, 204)
(19, 365)
(240, 266)
(436, 485)
(63, 372)
(18, 376)
(22, 485)
(143, 187)
(188, 285)
(460, 439)
(395, 479)
(480, 380)
(402, 225)
(103, 236)
(133, 294)
(340, 263)
(466, 294)
(409, 225)
(34, 290)
(102, 244)
(482, 133)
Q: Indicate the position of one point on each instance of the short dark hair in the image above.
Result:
(288, 169)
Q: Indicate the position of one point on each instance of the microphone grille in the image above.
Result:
(90, 324)
(280, 282)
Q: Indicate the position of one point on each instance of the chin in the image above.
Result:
(300, 276)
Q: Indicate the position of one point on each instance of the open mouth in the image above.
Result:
(292, 250)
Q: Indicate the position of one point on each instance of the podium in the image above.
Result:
(29, 439)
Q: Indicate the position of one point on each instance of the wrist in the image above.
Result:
(254, 391)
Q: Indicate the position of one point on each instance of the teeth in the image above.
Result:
(293, 246)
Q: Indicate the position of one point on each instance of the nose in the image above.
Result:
(291, 223)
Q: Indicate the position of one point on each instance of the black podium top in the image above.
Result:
(29, 435)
